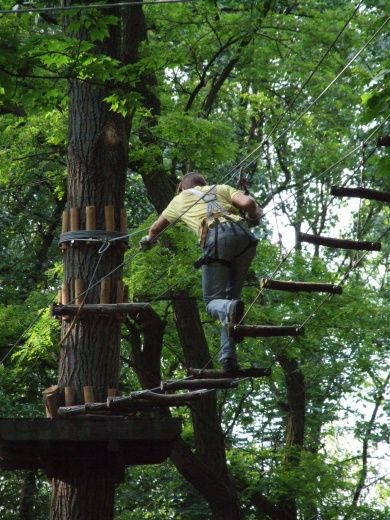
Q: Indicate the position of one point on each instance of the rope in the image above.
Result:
(91, 236)
(351, 268)
(35, 320)
(236, 166)
(103, 248)
(305, 83)
(327, 170)
(299, 117)
(16, 10)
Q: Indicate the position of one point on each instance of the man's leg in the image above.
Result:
(239, 271)
(215, 278)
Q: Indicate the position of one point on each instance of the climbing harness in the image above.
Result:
(217, 216)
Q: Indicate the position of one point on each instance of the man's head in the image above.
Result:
(190, 180)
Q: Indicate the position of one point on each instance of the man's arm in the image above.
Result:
(157, 227)
(247, 204)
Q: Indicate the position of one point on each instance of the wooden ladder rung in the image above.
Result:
(339, 242)
(280, 285)
(361, 193)
(192, 384)
(258, 331)
(221, 374)
(138, 311)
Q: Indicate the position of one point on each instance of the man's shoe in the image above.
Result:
(236, 312)
(230, 365)
(236, 335)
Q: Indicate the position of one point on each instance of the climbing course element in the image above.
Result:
(339, 243)
(237, 332)
(92, 443)
(279, 285)
(137, 401)
(238, 373)
(74, 218)
(140, 311)
(361, 193)
(189, 384)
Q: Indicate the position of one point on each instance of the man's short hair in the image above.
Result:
(190, 180)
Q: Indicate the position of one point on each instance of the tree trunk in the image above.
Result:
(27, 495)
(89, 355)
(83, 497)
(209, 438)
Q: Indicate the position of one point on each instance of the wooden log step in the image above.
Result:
(101, 409)
(361, 193)
(205, 373)
(82, 409)
(279, 285)
(190, 384)
(142, 312)
(263, 331)
(338, 242)
(155, 398)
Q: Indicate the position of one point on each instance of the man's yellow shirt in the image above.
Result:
(187, 207)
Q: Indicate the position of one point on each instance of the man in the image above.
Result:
(213, 213)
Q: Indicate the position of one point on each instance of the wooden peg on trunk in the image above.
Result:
(79, 289)
(109, 217)
(88, 394)
(105, 287)
(65, 297)
(90, 218)
(64, 226)
(123, 221)
(125, 294)
(74, 219)
(70, 396)
(119, 291)
(51, 398)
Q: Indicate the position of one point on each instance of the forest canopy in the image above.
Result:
(291, 97)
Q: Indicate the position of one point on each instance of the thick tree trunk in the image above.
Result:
(83, 497)
(295, 428)
(27, 495)
(205, 469)
(89, 356)
(209, 440)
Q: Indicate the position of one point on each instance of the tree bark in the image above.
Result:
(209, 438)
(27, 495)
(89, 355)
(205, 469)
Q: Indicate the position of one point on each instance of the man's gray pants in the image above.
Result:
(222, 280)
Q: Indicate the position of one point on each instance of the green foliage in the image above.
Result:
(206, 143)
(193, 124)
(157, 492)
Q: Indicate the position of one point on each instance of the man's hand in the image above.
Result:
(146, 243)
(254, 220)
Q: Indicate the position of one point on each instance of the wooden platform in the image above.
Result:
(88, 443)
